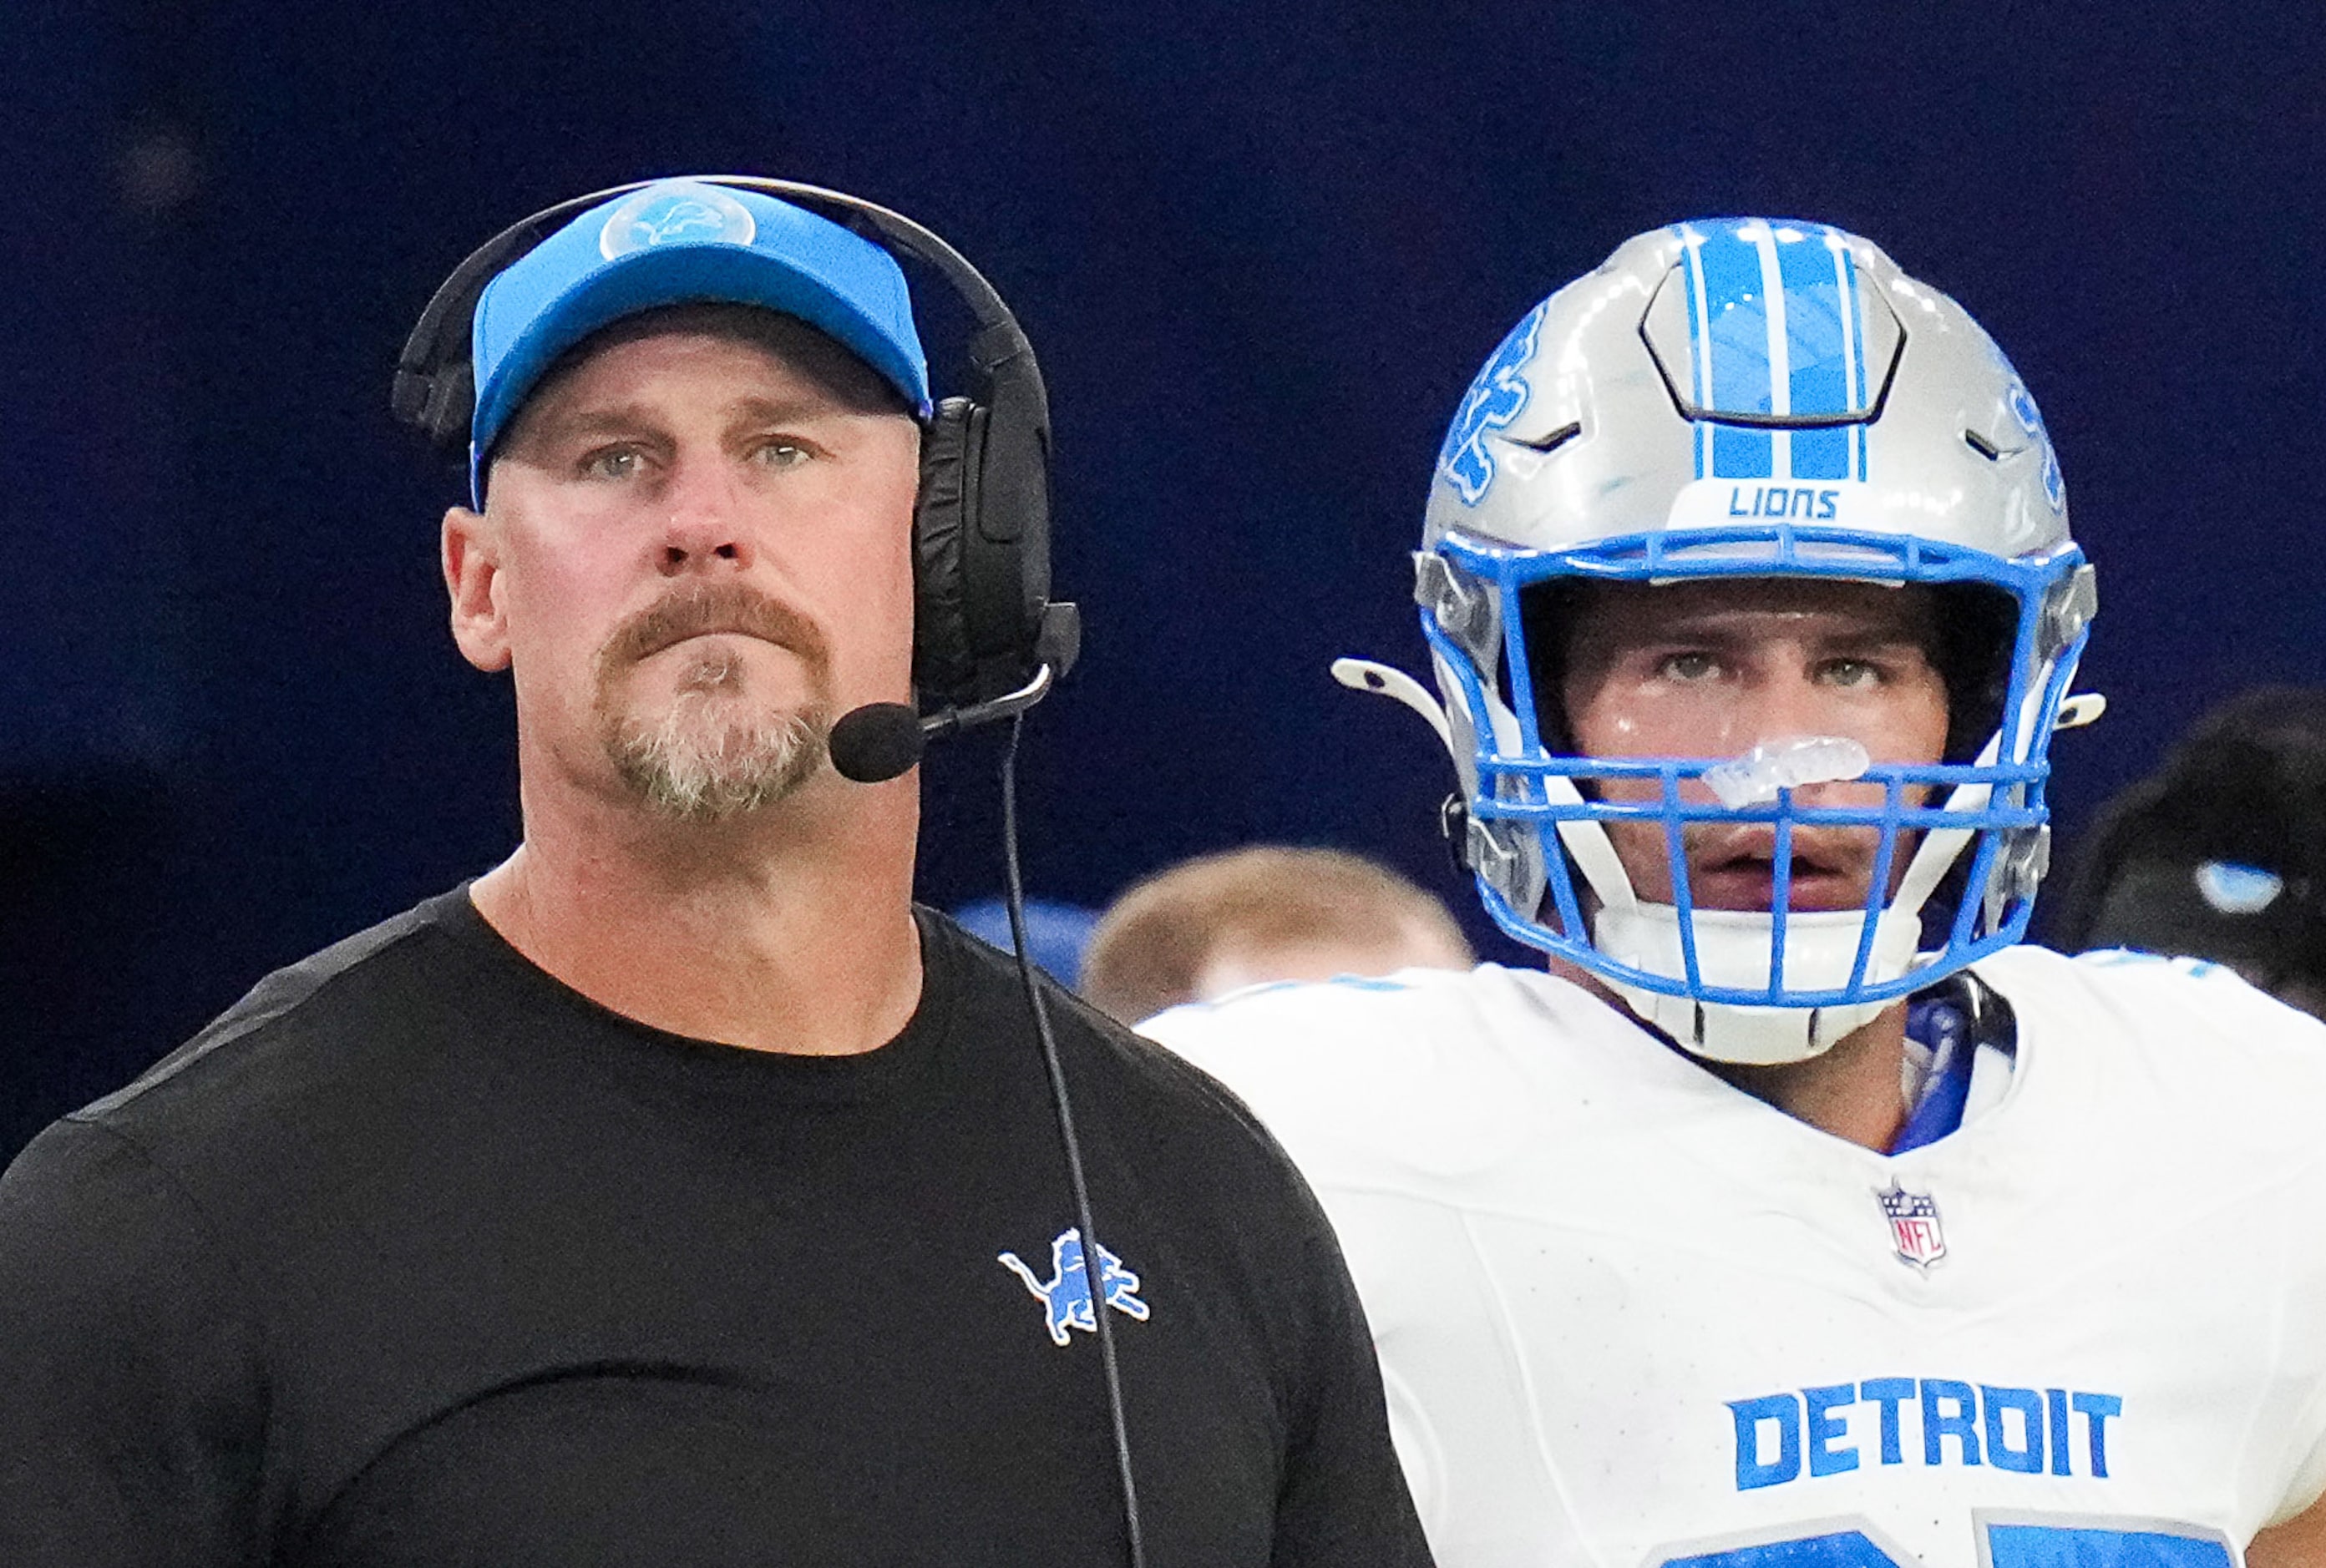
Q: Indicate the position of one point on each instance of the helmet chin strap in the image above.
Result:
(1732, 947)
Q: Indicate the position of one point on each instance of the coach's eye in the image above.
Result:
(1851, 673)
(782, 454)
(1689, 666)
(614, 463)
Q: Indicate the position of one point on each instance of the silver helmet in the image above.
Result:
(1742, 397)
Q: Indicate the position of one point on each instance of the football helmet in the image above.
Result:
(1746, 397)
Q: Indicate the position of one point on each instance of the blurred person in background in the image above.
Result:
(2220, 853)
(1243, 917)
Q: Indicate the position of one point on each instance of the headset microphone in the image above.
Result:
(875, 743)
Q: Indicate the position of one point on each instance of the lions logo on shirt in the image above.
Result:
(1067, 1293)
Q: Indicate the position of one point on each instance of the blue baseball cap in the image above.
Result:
(679, 242)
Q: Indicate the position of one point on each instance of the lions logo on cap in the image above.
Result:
(675, 212)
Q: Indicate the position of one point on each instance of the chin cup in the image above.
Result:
(1732, 950)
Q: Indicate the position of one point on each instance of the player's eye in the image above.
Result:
(1691, 665)
(1851, 673)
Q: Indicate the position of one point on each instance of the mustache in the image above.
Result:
(712, 607)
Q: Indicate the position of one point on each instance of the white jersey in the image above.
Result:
(1629, 1315)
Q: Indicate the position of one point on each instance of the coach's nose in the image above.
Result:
(703, 527)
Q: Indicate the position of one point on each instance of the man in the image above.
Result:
(678, 1192)
(1796, 1216)
(1266, 913)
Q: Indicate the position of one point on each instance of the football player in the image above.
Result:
(1798, 1217)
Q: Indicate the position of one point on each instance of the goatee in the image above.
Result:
(711, 757)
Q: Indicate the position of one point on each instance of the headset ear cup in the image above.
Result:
(945, 664)
(435, 386)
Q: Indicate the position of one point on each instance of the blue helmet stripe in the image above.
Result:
(1699, 361)
(1734, 348)
(1820, 375)
(1779, 337)
(1819, 350)
(1775, 326)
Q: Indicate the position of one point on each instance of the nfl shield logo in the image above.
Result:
(1913, 1224)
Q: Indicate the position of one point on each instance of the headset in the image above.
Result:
(983, 623)
(988, 641)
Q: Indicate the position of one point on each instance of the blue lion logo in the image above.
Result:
(682, 219)
(2023, 409)
(675, 212)
(1065, 1294)
(1493, 400)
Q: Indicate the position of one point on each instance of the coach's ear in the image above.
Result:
(472, 577)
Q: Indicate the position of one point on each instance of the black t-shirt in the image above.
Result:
(419, 1257)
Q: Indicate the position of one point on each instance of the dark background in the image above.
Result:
(1261, 247)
